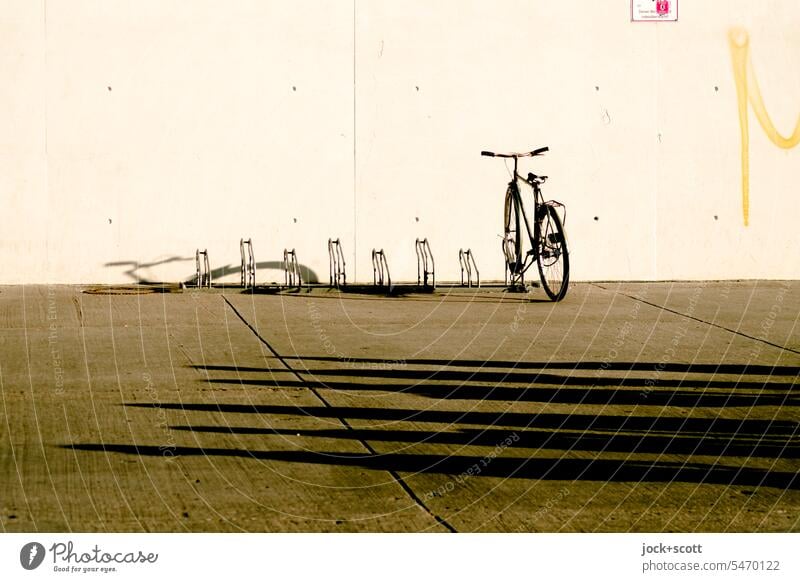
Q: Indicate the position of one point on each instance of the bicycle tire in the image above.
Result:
(552, 256)
(512, 235)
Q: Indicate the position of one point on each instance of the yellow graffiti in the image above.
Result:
(747, 91)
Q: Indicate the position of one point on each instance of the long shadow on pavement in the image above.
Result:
(520, 378)
(723, 438)
(567, 432)
(542, 386)
(503, 467)
(704, 427)
(588, 396)
(693, 368)
(643, 443)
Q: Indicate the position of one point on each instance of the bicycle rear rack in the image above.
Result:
(467, 261)
(248, 263)
(291, 269)
(425, 260)
(338, 276)
(380, 269)
(203, 268)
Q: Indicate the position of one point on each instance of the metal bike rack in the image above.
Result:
(248, 263)
(203, 268)
(291, 269)
(380, 269)
(338, 276)
(514, 281)
(467, 261)
(425, 264)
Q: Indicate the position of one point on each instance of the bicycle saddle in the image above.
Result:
(538, 179)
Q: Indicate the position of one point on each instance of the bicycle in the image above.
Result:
(548, 243)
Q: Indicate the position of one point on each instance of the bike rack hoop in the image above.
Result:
(291, 269)
(203, 268)
(513, 281)
(248, 267)
(380, 270)
(338, 277)
(426, 268)
(467, 262)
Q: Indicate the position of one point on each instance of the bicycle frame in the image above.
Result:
(538, 201)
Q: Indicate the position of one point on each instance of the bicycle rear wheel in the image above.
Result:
(512, 234)
(552, 256)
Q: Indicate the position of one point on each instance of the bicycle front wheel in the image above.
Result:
(512, 235)
(552, 255)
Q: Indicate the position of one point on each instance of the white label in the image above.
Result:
(654, 10)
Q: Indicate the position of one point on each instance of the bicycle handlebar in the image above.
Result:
(536, 152)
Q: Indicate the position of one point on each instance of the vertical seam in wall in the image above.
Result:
(656, 168)
(355, 183)
(46, 147)
(44, 15)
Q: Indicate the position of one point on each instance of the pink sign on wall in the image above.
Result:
(654, 10)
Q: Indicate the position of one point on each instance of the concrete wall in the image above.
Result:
(132, 132)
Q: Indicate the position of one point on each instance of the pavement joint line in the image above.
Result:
(397, 478)
(712, 324)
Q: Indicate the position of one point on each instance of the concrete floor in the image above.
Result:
(627, 407)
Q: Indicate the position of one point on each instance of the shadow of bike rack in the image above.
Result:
(291, 269)
(467, 262)
(380, 270)
(338, 277)
(248, 277)
(425, 265)
(203, 268)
